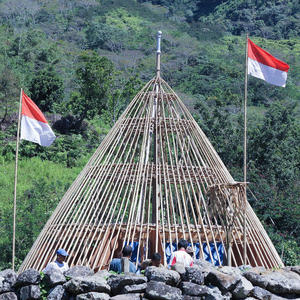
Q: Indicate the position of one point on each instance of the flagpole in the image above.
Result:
(245, 149)
(15, 190)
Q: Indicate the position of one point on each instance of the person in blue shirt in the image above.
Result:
(117, 264)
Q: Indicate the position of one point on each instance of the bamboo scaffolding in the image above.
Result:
(154, 179)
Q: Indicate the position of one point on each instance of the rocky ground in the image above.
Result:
(202, 281)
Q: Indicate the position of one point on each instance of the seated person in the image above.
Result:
(59, 264)
(181, 256)
(190, 251)
(117, 264)
(154, 261)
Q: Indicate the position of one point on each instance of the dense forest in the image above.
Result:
(82, 62)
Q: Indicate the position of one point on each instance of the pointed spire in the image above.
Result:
(159, 33)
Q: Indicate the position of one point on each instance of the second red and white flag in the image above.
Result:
(263, 65)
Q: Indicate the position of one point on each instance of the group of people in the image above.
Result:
(117, 264)
(183, 256)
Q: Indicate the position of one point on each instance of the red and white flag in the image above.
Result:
(263, 65)
(34, 126)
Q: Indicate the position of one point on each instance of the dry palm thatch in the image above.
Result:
(154, 179)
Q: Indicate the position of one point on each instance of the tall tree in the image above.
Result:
(8, 95)
(222, 129)
(121, 93)
(94, 77)
(46, 89)
(275, 145)
(274, 164)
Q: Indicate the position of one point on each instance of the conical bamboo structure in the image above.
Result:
(153, 180)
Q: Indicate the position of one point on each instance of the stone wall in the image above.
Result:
(202, 281)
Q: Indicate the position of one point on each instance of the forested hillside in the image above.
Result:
(82, 62)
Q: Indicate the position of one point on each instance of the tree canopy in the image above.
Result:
(94, 77)
(46, 89)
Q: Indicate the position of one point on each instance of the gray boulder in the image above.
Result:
(7, 279)
(8, 296)
(127, 297)
(201, 263)
(193, 289)
(57, 293)
(224, 282)
(80, 285)
(54, 277)
(255, 279)
(93, 295)
(103, 273)
(296, 269)
(244, 268)
(242, 289)
(283, 282)
(279, 282)
(204, 292)
(118, 282)
(135, 288)
(79, 271)
(262, 294)
(230, 271)
(179, 268)
(30, 292)
(227, 296)
(160, 290)
(259, 270)
(163, 275)
(28, 277)
(195, 274)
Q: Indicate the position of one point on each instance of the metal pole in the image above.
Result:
(159, 33)
(15, 189)
(245, 149)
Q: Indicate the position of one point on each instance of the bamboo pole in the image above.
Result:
(157, 194)
(245, 150)
(15, 187)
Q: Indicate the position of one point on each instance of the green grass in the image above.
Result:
(31, 170)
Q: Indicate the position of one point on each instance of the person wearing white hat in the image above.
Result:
(59, 264)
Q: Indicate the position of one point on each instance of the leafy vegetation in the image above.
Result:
(93, 76)
(83, 61)
(271, 19)
(47, 87)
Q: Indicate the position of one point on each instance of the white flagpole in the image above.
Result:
(245, 149)
(15, 190)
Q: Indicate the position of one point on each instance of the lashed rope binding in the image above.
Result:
(154, 179)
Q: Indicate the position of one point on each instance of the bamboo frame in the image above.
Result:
(154, 179)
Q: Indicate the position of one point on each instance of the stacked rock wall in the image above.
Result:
(202, 281)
